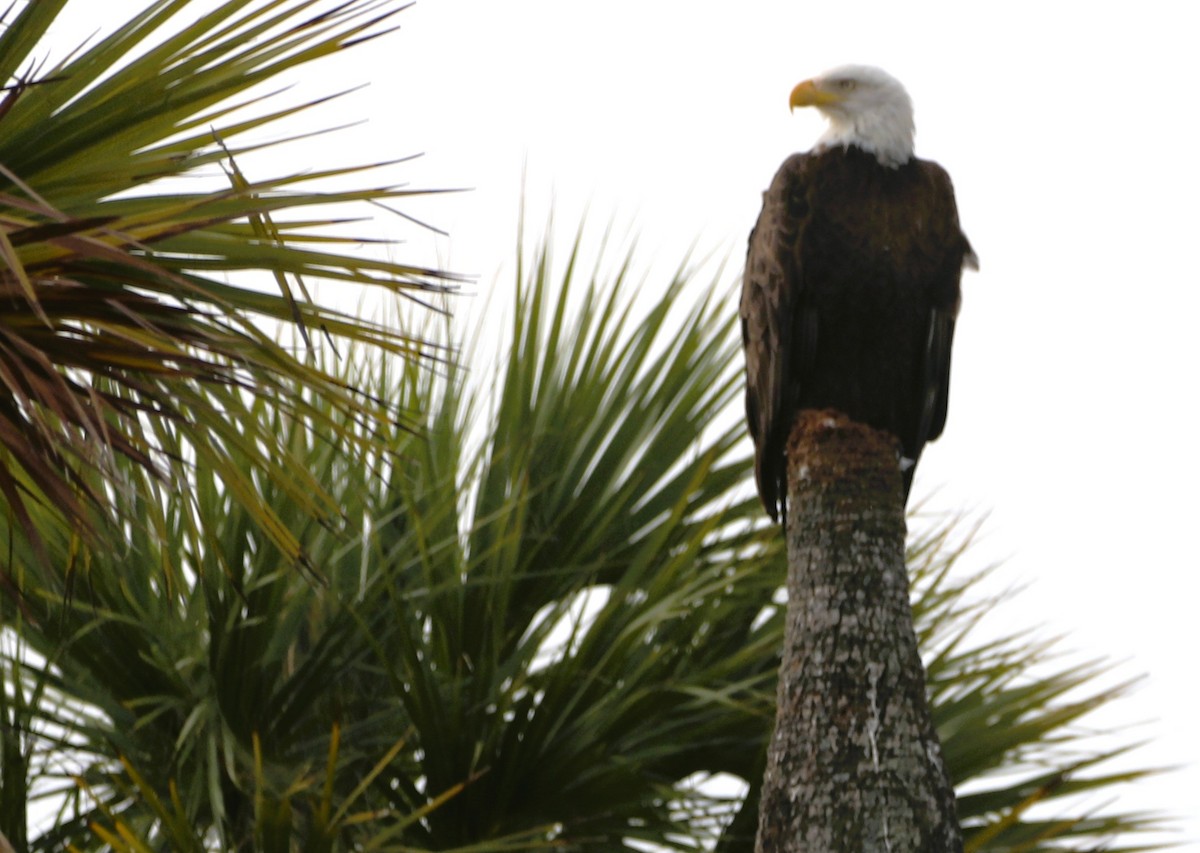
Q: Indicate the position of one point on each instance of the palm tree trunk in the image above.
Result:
(855, 763)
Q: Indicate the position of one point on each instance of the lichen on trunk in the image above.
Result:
(854, 763)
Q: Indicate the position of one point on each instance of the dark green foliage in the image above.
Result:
(130, 240)
(547, 621)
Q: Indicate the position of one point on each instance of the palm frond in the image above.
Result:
(124, 300)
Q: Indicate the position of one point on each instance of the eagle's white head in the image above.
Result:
(866, 107)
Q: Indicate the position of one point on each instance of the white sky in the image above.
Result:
(1070, 132)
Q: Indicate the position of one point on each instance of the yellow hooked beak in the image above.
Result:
(808, 94)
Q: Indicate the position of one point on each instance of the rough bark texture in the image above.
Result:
(854, 764)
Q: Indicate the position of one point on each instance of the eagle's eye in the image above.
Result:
(846, 85)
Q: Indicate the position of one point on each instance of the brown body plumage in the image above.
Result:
(849, 301)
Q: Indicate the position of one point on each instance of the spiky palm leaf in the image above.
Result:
(552, 624)
(123, 298)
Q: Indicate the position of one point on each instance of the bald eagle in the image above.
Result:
(852, 276)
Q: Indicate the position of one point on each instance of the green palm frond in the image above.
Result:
(554, 624)
(131, 268)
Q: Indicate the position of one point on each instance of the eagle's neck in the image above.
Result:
(886, 130)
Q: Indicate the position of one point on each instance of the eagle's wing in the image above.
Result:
(778, 333)
(945, 241)
(937, 372)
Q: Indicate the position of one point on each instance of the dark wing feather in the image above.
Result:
(950, 251)
(779, 337)
(935, 384)
(937, 372)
